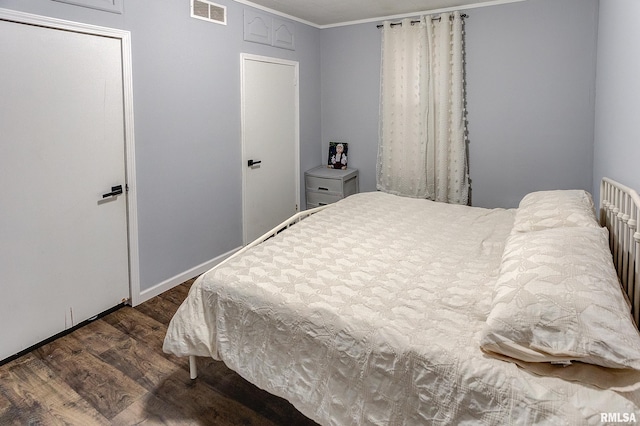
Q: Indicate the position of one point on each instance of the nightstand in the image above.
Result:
(326, 186)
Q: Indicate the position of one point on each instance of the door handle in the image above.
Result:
(253, 163)
(115, 190)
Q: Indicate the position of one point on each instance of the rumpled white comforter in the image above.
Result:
(370, 312)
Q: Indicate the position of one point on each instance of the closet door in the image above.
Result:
(270, 139)
(63, 227)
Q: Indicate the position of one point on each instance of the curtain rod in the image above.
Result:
(393, 24)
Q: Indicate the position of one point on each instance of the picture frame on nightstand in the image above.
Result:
(338, 155)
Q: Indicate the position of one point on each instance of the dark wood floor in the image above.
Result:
(113, 372)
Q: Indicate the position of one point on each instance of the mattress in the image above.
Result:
(370, 312)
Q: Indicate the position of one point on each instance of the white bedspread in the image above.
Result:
(370, 312)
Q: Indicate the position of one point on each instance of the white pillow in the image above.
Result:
(558, 299)
(554, 209)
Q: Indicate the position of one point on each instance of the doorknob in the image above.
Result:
(253, 163)
(115, 190)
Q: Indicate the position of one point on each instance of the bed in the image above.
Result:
(385, 310)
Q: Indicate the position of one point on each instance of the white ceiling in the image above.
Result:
(330, 13)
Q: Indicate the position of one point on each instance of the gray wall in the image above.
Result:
(186, 78)
(530, 97)
(617, 145)
(350, 62)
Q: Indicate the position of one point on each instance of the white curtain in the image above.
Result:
(422, 149)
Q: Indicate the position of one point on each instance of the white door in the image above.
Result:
(270, 139)
(63, 246)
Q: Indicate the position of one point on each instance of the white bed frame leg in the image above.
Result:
(193, 369)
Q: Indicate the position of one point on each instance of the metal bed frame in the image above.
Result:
(620, 214)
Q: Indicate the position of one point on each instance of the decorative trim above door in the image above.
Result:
(264, 29)
(113, 6)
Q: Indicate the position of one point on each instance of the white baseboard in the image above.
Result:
(180, 278)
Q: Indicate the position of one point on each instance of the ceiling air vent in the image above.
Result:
(202, 9)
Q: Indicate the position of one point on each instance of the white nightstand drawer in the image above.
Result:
(314, 183)
(326, 186)
(321, 198)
